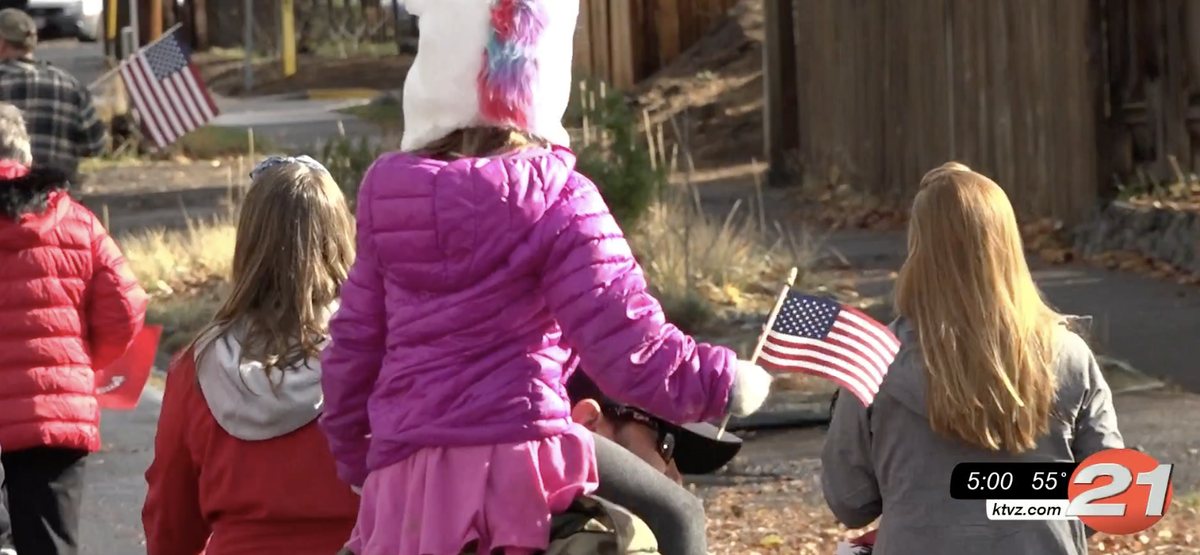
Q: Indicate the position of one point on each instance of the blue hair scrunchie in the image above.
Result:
(272, 161)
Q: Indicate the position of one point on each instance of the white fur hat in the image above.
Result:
(489, 62)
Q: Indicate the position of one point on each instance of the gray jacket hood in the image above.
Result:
(248, 403)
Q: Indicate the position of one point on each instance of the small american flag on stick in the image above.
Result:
(818, 336)
(167, 90)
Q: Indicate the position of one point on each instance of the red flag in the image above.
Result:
(119, 387)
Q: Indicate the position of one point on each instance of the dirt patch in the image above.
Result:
(138, 195)
(224, 74)
(714, 91)
(139, 176)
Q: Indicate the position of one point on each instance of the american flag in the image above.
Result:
(167, 90)
(821, 337)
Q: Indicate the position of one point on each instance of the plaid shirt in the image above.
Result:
(59, 114)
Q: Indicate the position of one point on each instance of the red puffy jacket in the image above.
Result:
(70, 305)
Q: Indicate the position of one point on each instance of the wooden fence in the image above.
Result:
(625, 41)
(892, 88)
(1154, 87)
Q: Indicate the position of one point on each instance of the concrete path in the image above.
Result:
(116, 487)
(290, 122)
(1152, 324)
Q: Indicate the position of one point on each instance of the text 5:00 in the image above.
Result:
(993, 481)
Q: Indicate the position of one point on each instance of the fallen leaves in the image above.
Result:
(842, 207)
(1048, 238)
(1127, 261)
(772, 541)
(1057, 256)
(1051, 242)
(789, 517)
(1180, 195)
(784, 517)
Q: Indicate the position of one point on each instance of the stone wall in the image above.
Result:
(1169, 235)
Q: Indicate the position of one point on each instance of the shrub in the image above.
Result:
(348, 160)
(615, 154)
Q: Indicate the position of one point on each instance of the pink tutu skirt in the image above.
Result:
(499, 497)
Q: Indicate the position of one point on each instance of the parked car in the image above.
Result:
(79, 19)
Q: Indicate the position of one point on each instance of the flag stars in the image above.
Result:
(803, 316)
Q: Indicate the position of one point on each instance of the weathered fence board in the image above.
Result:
(626, 41)
(893, 88)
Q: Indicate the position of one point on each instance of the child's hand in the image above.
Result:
(751, 385)
(357, 490)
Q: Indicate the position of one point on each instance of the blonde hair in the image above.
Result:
(14, 138)
(480, 142)
(987, 337)
(295, 246)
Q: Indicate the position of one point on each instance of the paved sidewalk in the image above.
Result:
(116, 487)
(1154, 325)
(291, 122)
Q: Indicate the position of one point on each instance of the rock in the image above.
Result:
(1166, 234)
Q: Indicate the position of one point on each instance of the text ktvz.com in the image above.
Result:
(1118, 491)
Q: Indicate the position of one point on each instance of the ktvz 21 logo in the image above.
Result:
(1119, 491)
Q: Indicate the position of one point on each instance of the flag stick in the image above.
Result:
(762, 337)
(108, 74)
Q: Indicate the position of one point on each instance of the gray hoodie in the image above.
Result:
(249, 404)
(885, 460)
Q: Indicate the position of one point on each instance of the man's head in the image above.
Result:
(14, 139)
(675, 450)
(18, 33)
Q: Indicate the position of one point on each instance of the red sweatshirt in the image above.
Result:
(239, 463)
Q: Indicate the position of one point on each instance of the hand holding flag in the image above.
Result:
(818, 336)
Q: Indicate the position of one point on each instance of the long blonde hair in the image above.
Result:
(987, 337)
(480, 142)
(295, 245)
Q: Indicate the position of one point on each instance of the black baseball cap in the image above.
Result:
(697, 448)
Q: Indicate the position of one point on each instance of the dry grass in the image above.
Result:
(211, 142)
(184, 272)
(699, 263)
(206, 143)
(167, 260)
